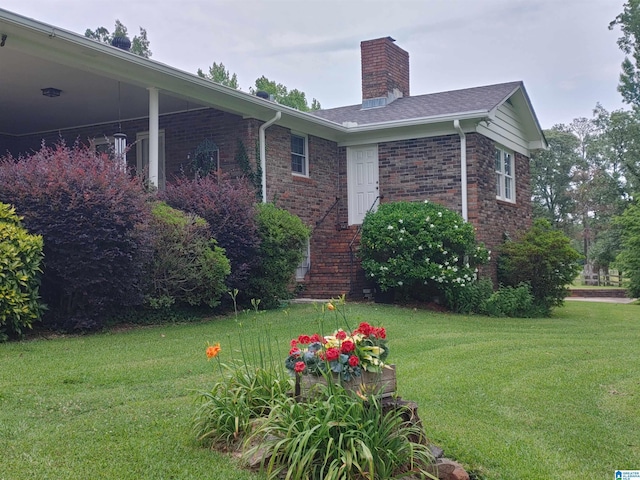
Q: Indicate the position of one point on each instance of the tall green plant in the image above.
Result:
(20, 257)
(188, 266)
(543, 258)
(283, 236)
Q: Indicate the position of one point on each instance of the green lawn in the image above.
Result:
(554, 398)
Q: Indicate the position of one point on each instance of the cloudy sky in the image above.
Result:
(561, 49)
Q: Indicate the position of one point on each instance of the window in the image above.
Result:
(305, 264)
(299, 157)
(505, 176)
(142, 156)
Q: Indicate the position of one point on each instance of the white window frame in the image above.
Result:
(142, 164)
(305, 156)
(305, 264)
(505, 167)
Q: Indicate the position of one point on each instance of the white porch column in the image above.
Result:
(154, 133)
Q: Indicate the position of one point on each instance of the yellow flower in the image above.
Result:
(330, 307)
(213, 350)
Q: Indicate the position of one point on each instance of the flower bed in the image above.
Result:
(354, 359)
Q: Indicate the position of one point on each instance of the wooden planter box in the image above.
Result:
(382, 384)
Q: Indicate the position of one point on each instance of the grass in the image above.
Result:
(509, 398)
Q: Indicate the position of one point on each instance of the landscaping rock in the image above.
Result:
(448, 470)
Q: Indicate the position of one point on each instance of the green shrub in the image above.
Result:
(419, 245)
(20, 257)
(188, 267)
(283, 236)
(544, 259)
(338, 436)
(515, 302)
(470, 299)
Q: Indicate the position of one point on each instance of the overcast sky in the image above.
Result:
(561, 49)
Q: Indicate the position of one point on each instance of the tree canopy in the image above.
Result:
(219, 74)
(629, 43)
(291, 98)
(139, 44)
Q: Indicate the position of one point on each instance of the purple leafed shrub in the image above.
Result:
(228, 206)
(93, 218)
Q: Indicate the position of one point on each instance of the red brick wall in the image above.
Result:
(183, 133)
(429, 169)
(385, 66)
(416, 169)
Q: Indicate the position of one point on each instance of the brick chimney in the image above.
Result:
(385, 69)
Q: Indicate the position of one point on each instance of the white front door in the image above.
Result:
(362, 181)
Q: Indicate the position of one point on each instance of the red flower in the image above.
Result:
(353, 361)
(348, 346)
(364, 328)
(294, 343)
(299, 367)
(304, 339)
(333, 354)
(380, 332)
(295, 351)
(322, 356)
(341, 335)
(315, 338)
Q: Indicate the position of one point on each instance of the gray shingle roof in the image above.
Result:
(424, 106)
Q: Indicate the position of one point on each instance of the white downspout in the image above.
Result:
(463, 169)
(153, 137)
(263, 153)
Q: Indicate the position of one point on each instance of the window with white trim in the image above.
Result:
(305, 264)
(505, 175)
(299, 157)
(142, 157)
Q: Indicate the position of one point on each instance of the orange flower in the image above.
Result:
(330, 306)
(213, 351)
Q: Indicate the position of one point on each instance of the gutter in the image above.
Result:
(263, 152)
(463, 169)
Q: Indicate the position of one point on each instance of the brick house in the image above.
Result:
(467, 149)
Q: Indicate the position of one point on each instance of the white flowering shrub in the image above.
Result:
(419, 245)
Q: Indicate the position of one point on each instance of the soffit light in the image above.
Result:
(51, 92)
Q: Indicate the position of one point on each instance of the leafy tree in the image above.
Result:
(551, 174)
(629, 257)
(629, 43)
(291, 98)
(219, 74)
(139, 43)
(618, 146)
